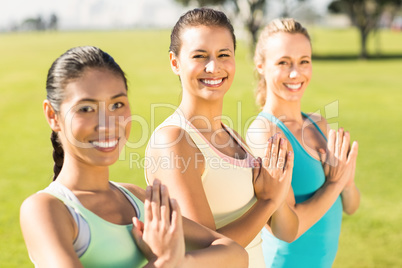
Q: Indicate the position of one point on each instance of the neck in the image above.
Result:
(282, 109)
(203, 114)
(77, 175)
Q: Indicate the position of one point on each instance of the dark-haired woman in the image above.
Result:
(85, 220)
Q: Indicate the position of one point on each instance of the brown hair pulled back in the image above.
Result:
(69, 66)
(198, 17)
(283, 25)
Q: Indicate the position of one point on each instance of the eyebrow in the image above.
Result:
(225, 49)
(287, 57)
(204, 51)
(112, 98)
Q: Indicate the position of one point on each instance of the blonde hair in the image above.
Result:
(282, 25)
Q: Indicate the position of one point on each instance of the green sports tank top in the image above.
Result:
(111, 245)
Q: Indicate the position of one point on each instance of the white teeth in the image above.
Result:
(105, 144)
(293, 86)
(212, 82)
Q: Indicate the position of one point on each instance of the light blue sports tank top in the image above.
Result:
(111, 245)
(317, 247)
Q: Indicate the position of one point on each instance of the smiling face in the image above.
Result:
(287, 67)
(94, 117)
(206, 63)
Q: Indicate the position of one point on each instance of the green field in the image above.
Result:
(363, 96)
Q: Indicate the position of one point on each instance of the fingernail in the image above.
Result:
(254, 163)
(290, 153)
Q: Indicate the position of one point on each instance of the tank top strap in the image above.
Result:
(135, 201)
(280, 124)
(239, 141)
(207, 149)
(180, 121)
(285, 129)
(315, 124)
(68, 202)
(75, 204)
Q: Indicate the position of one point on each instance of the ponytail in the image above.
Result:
(261, 92)
(58, 154)
(69, 66)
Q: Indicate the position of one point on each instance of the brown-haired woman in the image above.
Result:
(211, 171)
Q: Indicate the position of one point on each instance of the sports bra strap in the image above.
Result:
(181, 122)
(315, 124)
(243, 145)
(279, 123)
(206, 148)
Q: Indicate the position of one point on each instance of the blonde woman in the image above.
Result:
(324, 165)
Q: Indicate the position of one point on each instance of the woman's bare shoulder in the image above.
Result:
(171, 139)
(43, 211)
(41, 201)
(259, 131)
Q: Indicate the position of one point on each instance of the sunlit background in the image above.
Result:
(363, 91)
(116, 14)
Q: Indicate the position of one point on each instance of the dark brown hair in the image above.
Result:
(69, 66)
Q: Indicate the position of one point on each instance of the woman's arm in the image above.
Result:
(221, 251)
(184, 183)
(161, 238)
(350, 198)
(284, 222)
(339, 167)
(49, 231)
(311, 210)
(350, 193)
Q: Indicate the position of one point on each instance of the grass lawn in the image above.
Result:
(362, 96)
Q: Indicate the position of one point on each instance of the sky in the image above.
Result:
(93, 13)
(102, 14)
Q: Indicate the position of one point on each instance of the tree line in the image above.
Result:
(38, 23)
(363, 14)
